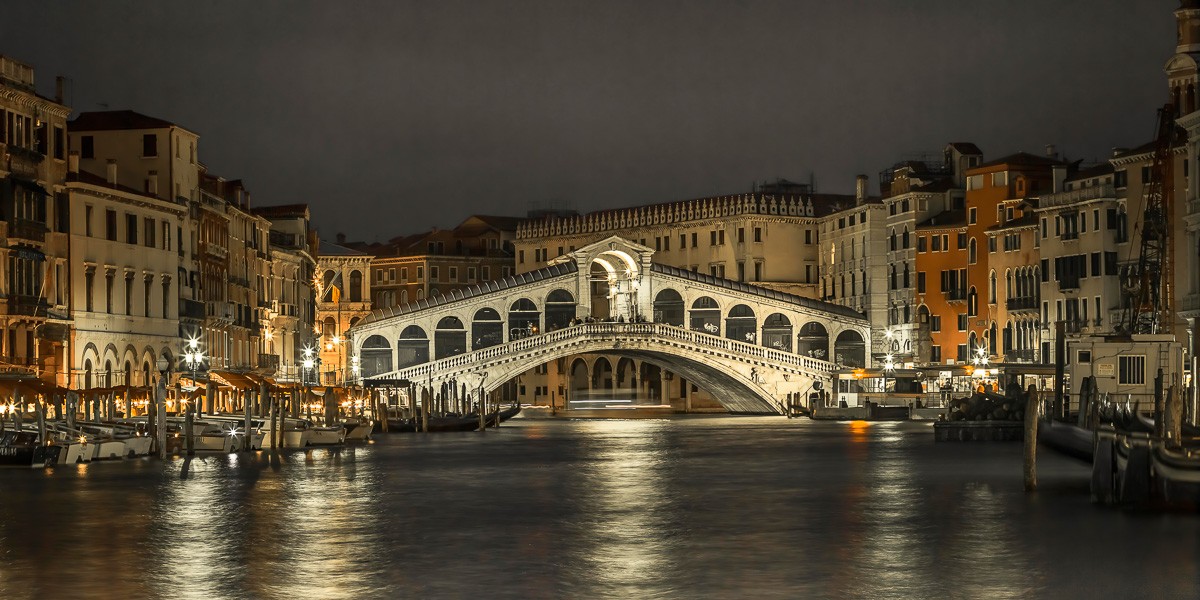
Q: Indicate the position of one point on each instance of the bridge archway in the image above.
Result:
(741, 324)
(626, 377)
(376, 356)
(579, 376)
(668, 307)
(850, 350)
(813, 340)
(560, 309)
(486, 329)
(706, 316)
(777, 332)
(523, 319)
(602, 374)
(412, 348)
(450, 338)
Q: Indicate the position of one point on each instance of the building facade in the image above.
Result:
(343, 299)
(34, 257)
(291, 290)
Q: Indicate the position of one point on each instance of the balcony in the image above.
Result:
(1024, 303)
(955, 295)
(286, 240)
(24, 229)
(214, 250)
(1068, 236)
(242, 281)
(27, 306)
(1023, 355)
(1075, 196)
(23, 162)
(268, 362)
(1070, 283)
(191, 309)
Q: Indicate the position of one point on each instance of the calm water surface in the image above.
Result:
(683, 508)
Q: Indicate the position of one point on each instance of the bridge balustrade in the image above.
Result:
(656, 331)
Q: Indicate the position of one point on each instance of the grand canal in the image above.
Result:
(681, 508)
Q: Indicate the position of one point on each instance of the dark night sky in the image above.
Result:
(394, 116)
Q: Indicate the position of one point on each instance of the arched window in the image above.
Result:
(375, 357)
(972, 302)
(450, 338)
(486, 329)
(906, 234)
(327, 281)
(777, 332)
(741, 324)
(850, 350)
(893, 240)
(813, 340)
(412, 348)
(523, 319)
(971, 251)
(560, 309)
(705, 316)
(668, 307)
(992, 287)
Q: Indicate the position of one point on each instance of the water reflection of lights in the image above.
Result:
(628, 531)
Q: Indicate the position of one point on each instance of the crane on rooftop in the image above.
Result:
(1149, 284)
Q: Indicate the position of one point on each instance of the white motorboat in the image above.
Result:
(326, 436)
(357, 430)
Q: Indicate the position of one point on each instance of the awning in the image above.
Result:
(237, 381)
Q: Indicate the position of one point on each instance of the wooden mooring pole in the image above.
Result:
(1032, 406)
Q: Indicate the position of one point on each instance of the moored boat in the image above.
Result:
(25, 449)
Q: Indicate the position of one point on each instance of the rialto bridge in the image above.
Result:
(750, 348)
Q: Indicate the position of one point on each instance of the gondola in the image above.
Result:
(498, 417)
(23, 449)
(467, 423)
(1067, 438)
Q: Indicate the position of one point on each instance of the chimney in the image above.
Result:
(341, 238)
(112, 171)
(58, 88)
(1059, 173)
(73, 162)
(152, 184)
(860, 189)
(1051, 151)
(1119, 151)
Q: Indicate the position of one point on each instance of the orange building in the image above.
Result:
(996, 195)
(942, 286)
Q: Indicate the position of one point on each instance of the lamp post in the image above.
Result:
(160, 400)
(308, 365)
(889, 368)
(193, 356)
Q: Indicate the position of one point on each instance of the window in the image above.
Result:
(758, 234)
(920, 282)
(712, 238)
(962, 322)
(694, 240)
(657, 244)
(59, 143)
(1131, 370)
(962, 241)
(453, 273)
(935, 322)
(971, 216)
(420, 273)
(149, 279)
(166, 303)
(682, 241)
(521, 256)
(741, 266)
(935, 354)
(487, 273)
(89, 287)
(87, 220)
(110, 225)
(108, 293)
(87, 147)
(935, 243)
(921, 244)
(972, 252)
(470, 274)
(149, 145)
(666, 243)
(741, 235)
(759, 266)
(808, 236)
(148, 238)
(131, 229)
(433, 274)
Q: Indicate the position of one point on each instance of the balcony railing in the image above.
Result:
(27, 306)
(268, 362)
(956, 294)
(1071, 283)
(191, 309)
(1024, 303)
(25, 229)
(24, 162)
(1069, 235)
(1080, 195)
(1023, 355)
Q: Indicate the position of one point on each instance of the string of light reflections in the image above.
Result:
(671, 508)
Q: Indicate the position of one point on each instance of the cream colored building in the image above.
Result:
(768, 238)
(853, 262)
(343, 298)
(291, 289)
(124, 271)
(33, 227)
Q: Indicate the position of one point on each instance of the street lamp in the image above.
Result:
(193, 356)
(889, 368)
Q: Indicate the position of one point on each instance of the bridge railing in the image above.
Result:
(656, 331)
